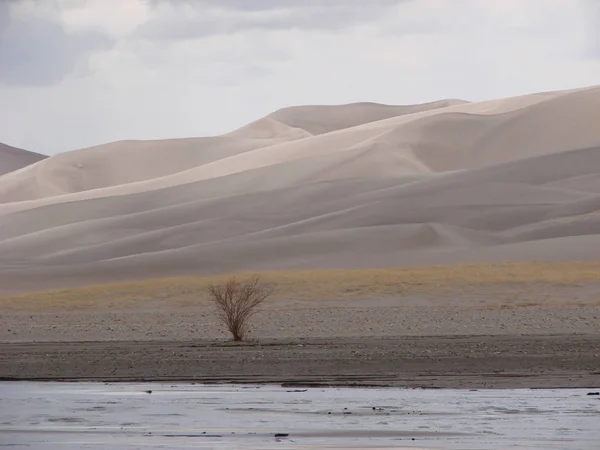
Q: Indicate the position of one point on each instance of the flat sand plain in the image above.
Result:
(441, 327)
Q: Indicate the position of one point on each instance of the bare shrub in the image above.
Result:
(237, 301)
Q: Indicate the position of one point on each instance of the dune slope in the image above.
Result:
(349, 186)
(12, 158)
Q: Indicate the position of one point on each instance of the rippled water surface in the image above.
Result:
(181, 416)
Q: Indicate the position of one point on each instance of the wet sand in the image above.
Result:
(501, 361)
(59, 416)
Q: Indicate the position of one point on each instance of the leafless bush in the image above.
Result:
(237, 301)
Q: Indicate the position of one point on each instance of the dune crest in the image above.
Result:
(12, 158)
(349, 186)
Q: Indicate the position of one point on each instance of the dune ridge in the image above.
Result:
(361, 185)
(12, 158)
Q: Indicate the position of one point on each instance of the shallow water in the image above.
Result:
(181, 416)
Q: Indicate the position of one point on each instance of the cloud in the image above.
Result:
(4, 16)
(265, 5)
(197, 19)
(593, 15)
(115, 18)
(36, 50)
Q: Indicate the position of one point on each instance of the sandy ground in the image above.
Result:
(367, 319)
(357, 341)
(450, 361)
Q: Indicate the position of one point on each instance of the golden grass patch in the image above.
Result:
(317, 284)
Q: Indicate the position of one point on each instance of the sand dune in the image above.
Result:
(400, 139)
(116, 164)
(12, 158)
(325, 119)
(360, 185)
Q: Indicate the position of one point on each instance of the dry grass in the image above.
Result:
(318, 284)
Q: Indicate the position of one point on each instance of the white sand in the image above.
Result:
(361, 185)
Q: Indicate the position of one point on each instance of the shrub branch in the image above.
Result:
(237, 302)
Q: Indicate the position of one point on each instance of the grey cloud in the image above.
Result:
(37, 51)
(4, 16)
(245, 14)
(261, 5)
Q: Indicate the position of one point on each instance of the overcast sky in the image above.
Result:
(77, 73)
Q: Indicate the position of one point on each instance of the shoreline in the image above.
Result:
(433, 362)
(301, 385)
